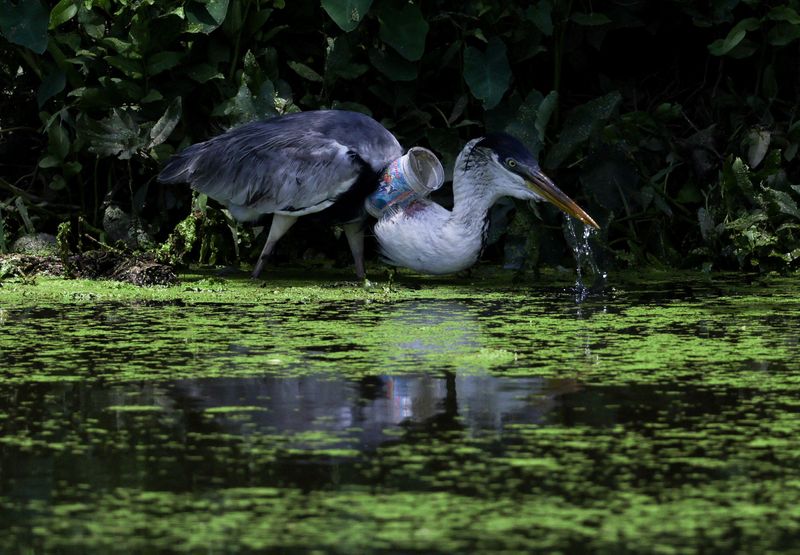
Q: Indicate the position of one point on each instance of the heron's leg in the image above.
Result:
(355, 238)
(280, 225)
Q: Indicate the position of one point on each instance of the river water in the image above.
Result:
(656, 415)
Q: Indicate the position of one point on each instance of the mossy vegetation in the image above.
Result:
(472, 414)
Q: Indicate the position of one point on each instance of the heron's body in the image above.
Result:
(291, 166)
(428, 238)
(302, 163)
(431, 239)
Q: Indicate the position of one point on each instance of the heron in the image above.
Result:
(303, 163)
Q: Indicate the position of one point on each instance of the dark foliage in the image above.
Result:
(674, 123)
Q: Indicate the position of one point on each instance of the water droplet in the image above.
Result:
(584, 255)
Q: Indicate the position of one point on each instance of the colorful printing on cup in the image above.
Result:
(413, 176)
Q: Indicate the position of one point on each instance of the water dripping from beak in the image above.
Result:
(584, 258)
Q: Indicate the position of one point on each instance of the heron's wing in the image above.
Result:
(295, 164)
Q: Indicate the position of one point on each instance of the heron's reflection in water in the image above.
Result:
(438, 386)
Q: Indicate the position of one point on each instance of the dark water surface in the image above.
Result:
(658, 416)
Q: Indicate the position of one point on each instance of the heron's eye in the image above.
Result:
(511, 163)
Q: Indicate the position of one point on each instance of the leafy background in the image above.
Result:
(674, 123)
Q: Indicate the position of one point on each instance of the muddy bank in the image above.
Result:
(139, 269)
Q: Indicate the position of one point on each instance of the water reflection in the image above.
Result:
(353, 427)
(371, 406)
(417, 329)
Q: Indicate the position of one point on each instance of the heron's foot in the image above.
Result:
(367, 284)
(259, 267)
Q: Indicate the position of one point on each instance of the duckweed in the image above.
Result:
(429, 415)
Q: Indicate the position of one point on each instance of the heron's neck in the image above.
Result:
(471, 200)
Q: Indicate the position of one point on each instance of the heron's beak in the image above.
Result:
(543, 186)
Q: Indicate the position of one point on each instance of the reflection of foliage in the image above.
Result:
(682, 153)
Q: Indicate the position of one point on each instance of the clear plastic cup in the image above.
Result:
(413, 176)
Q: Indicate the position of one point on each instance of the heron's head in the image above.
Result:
(505, 165)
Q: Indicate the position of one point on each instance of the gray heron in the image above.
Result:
(306, 162)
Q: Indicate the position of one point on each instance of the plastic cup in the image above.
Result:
(413, 176)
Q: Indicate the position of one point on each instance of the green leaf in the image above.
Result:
(744, 49)
(529, 123)
(119, 45)
(70, 40)
(339, 64)
(166, 123)
(347, 14)
(131, 68)
(488, 73)
(613, 181)
(541, 16)
(257, 20)
(788, 257)
(404, 29)
(579, 126)
(117, 135)
(93, 24)
(122, 91)
(785, 202)
(154, 95)
(233, 23)
(245, 106)
(746, 221)
(202, 73)
(58, 142)
(62, 12)
(72, 168)
(790, 152)
(25, 23)
(736, 175)
(52, 84)
(90, 97)
(545, 111)
(392, 65)
(252, 69)
(660, 203)
(784, 13)
(721, 47)
(305, 72)
(58, 183)
(783, 33)
(757, 140)
(707, 227)
(217, 9)
(49, 161)
(205, 15)
(162, 61)
(769, 82)
(22, 210)
(590, 19)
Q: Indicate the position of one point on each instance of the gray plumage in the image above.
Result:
(302, 163)
(428, 238)
(295, 164)
(290, 166)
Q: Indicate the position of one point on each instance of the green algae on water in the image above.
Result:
(437, 415)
